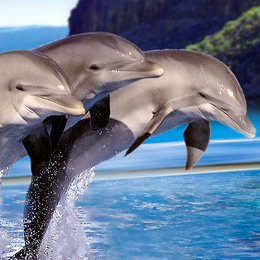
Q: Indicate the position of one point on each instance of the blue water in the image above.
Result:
(207, 216)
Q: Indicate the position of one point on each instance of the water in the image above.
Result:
(207, 216)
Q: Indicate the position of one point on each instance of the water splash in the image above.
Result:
(3, 232)
(5, 171)
(65, 237)
(11, 232)
(3, 241)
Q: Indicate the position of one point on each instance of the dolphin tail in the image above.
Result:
(196, 137)
(155, 122)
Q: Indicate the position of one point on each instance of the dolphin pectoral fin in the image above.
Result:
(99, 114)
(137, 143)
(38, 147)
(196, 137)
(150, 128)
(58, 126)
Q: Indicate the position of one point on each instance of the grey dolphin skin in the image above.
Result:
(95, 64)
(194, 89)
(31, 89)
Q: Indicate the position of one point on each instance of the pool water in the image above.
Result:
(206, 216)
(190, 216)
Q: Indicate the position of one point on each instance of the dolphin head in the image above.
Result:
(221, 98)
(112, 62)
(34, 88)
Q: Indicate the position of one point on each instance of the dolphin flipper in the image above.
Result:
(155, 122)
(58, 126)
(38, 147)
(99, 114)
(196, 137)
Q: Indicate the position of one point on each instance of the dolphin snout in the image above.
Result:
(247, 127)
(142, 69)
(240, 124)
(155, 69)
(149, 68)
(67, 104)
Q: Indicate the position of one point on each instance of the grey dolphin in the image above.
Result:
(194, 89)
(206, 84)
(31, 89)
(98, 63)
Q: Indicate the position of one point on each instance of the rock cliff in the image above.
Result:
(153, 24)
(202, 25)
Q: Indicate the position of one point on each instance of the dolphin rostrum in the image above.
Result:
(194, 89)
(31, 90)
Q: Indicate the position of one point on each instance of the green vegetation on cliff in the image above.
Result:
(238, 34)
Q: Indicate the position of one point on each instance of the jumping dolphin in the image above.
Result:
(95, 64)
(31, 90)
(194, 89)
(206, 84)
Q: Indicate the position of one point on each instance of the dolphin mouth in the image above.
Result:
(66, 104)
(242, 124)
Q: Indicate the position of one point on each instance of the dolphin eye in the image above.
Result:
(202, 95)
(94, 67)
(20, 87)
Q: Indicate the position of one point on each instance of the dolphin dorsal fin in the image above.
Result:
(154, 123)
(196, 137)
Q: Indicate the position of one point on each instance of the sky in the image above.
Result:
(35, 12)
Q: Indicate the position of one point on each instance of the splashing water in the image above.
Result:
(5, 171)
(11, 232)
(3, 241)
(3, 233)
(65, 237)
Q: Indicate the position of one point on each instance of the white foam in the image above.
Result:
(65, 237)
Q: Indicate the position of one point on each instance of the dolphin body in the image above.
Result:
(31, 89)
(95, 64)
(195, 89)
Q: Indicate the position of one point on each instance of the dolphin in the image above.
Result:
(195, 89)
(95, 64)
(31, 90)
(207, 85)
